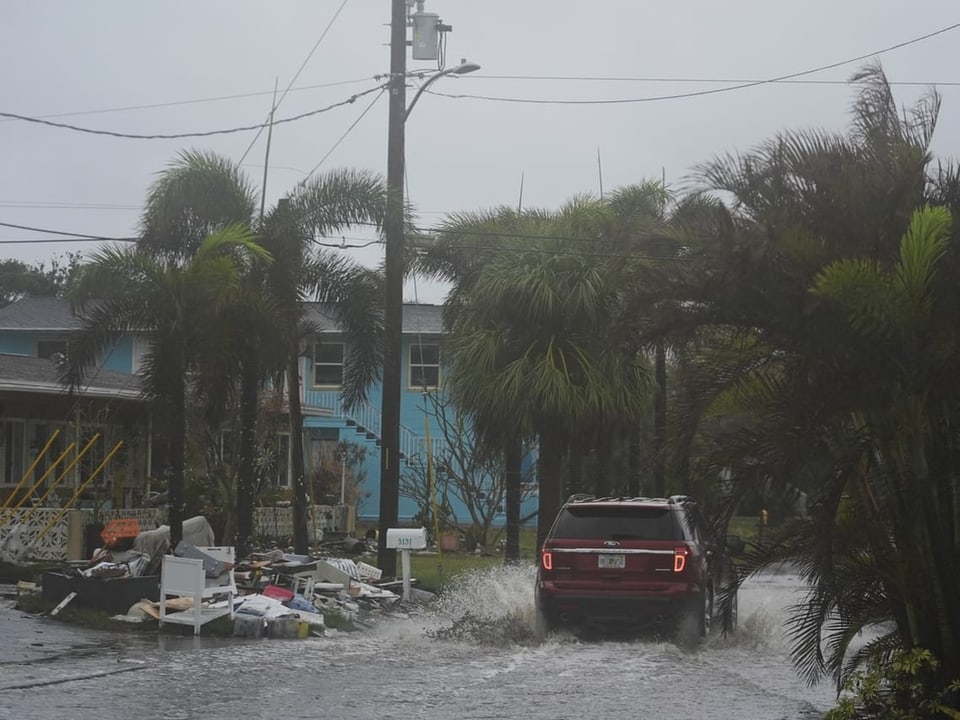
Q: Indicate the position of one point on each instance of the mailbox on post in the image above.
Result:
(405, 540)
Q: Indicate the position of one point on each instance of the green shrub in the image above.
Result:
(903, 689)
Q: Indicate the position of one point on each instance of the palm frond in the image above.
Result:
(199, 193)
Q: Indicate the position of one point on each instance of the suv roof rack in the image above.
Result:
(587, 497)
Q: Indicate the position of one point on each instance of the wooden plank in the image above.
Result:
(63, 603)
(150, 608)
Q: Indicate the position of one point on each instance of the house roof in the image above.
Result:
(417, 319)
(54, 314)
(39, 313)
(19, 373)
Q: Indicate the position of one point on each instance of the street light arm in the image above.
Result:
(462, 69)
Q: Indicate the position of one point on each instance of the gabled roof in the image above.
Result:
(417, 319)
(54, 314)
(19, 373)
(39, 313)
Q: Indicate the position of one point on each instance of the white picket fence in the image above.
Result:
(272, 522)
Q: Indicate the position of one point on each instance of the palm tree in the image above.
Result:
(175, 303)
(201, 191)
(457, 252)
(535, 339)
(907, 488)
(822, 304)
(350, 292)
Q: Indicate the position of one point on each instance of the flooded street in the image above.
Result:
(439, 663)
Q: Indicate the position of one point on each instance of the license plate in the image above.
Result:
(610, 561)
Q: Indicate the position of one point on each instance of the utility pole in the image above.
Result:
(393, 295)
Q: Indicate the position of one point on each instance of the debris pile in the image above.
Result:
(272, 593)
(331, 585)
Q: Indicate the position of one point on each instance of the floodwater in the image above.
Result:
(470, 656)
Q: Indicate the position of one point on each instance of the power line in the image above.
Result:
(359, 244)
(71, 236)
(698, 80)
(44, 241)
(479, 76)
(701, 93)
(192, 101)
(177, 136)
(50, 205)
(68, 236)
(276, 104)
(342, 137)
(527, 250)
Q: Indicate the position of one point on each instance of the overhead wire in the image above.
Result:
(74, 235)
(190, 101)
(276, 104)
(358, 243)
(701, 93)
(177, 136)
(694, 80)
(52, 205)
(739, 85)
(342, 137)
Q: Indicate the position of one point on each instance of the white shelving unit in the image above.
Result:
(185, 578)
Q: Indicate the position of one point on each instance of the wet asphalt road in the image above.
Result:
(428, 664)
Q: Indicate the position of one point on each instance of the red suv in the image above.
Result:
(638, 563)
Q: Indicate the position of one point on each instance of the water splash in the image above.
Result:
(489, 607)
(495, 607)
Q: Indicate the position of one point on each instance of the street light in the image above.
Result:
(393, 284)
(462, 69)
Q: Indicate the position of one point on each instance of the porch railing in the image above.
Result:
(365, 418)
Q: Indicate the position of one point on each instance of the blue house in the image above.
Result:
(40, 421)
(341, 446)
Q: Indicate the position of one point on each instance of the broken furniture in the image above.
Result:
(186, 578)
(111, 594)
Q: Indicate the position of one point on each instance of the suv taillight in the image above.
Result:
(546, 559)
(680, 555)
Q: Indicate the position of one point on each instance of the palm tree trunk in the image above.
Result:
(247, 473)
(660, 425)
(550, 467)
(513, 458)
(633, 459)
(177, 442)
(301, 540)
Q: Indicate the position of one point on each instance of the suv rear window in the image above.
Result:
(616, 523)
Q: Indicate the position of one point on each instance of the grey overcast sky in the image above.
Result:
(92, 62)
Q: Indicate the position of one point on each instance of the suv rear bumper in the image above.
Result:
(635, 611)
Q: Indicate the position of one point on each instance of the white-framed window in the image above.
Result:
(328, 364)
(424, 366)
(11, 452)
